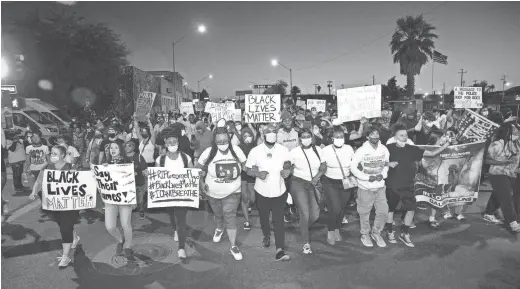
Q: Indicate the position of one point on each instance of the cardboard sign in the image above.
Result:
(319, 104)
(199, 106)
(220, 111)
(187, 107)
(357, 102)
(472, 127)
(173, 187)
(116, 183)
(68, 190)
(468, 97)
(262, 108)
(143, 104)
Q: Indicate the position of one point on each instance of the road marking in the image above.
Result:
(23, 210)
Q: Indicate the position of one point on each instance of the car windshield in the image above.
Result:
(40, 118)
(51, 117)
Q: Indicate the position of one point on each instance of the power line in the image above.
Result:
(364, 45)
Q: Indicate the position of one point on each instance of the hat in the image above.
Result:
(286, 115)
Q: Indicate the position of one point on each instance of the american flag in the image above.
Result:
(439, 58)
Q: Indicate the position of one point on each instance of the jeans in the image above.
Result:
(178, 220)
(141, 194)
(17, 174)
(66, 221)
(225, 211)
(275, 206)
(365, 201)
(503, 196)
(336, 198)
(125, 217)
(302, 192)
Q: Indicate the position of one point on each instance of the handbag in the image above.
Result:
(318, 195)
(348, 182)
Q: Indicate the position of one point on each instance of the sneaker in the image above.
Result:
(391, 237)
(218, 235)
(128, 253)
(461, 218)
(405, 238)
(236, 253)
(142, 215)
(64, 261)
(331, 238)
(247, 226)
(182, 254)
(5, 208)
(515, 227)
(337, 236)
(492, 219)
(75, 243)
(281, 256)
(447, 216)
(266, 242)
(365, 239)
(379, 240)
(307, 249)
(345, 220)
(175, 236)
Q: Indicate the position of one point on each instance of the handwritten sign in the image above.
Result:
(143, 104)
(238, 115)
(187, 107)
(199, 106)
(212, 105)
(468, 97)
(262, 108)
(173, 187)
(68, 190)
(319, 104)
(473, 127)
(116, 183)
(220, 111)
(357, 102)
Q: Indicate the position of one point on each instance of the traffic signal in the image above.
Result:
(18, 103)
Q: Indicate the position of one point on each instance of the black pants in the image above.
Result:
(66, 221)
(178, 220)
(276, 207)
(336, 198)
(502, 197)
(17, 174)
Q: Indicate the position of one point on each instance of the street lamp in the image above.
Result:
(275, 63)
(201, 80)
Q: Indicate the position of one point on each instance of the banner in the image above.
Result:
(143, 104)
(319, 104)
(451, 177)
(357, 102)
(262, 108)
(472, 127)
(187, 107)
(467, 97)
(173, 187)
(68, 190)
(238, 115)
(116, 183)
(199, 106)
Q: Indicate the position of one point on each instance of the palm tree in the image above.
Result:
(411, 45)
(295, 90)
(491, 88)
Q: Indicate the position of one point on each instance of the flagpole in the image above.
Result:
(433, 63)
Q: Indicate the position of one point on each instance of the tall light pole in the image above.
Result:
(275, 62)
(201, 80)
(504, 84)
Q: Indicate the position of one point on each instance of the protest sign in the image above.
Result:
(187, 107)
(143, 104)
(473, 127)
(467, 97)
(357, 102)
(199, 106)
(319, 104)
(451, 177)
(221, 111)
(173, 187)
(262, 108)
(116, 183)
(301, 103)
(68, 190)
(238, 115)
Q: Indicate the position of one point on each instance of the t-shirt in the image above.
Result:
(147, 150)
(345, 154)
(301, 166)
(272, 161)
(287, 139)
(403, 175)
(223, 176)
(37, 156)
(139, 166)
(172, 164)
(72, 153)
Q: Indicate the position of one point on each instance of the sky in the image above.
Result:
(346, 42)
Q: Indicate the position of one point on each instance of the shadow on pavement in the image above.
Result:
(507, 276)
(31, 248)
(18, 232)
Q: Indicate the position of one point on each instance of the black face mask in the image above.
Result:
(144, 135)
(111, 135)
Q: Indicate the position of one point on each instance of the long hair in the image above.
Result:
(505, 133)
(122, 153)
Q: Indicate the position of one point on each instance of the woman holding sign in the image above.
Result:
(65, 219)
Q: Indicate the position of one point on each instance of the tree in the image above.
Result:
(491, 88)
(295, 90)
(204, 94)
(82, 61)
(411, 45)
(280, 87)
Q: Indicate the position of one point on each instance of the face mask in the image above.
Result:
(306, 142)
(270, 137)
(144, 135)
(111, 135)
(173, 149)
(339, 142)
(223, 147)
(400, 143)
(485, 113)
(238, 127)
(373, 140)
(55, 159)
(248, 139)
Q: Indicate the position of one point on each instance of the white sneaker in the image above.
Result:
(175, 236)
(447, 216)
(218, 235)
(307, 249)
(365, 239)
(345, 220)
(515, 227)
(64, 261)
(182, 254)
(492, 219)
(405, 238)
(236, 253)
(379, 240)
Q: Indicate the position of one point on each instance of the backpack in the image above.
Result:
(184, 157)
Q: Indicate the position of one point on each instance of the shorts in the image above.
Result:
(404, 195)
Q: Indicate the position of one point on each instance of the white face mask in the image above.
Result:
(238, 127)
(400, 143)
(339, 142)
(54, 159)
(270, 137)
(248, 139)
(223, 147)
(173, 149)
(306, 142)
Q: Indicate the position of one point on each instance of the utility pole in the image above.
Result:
(503, 86)
(316, 88)
(443, 89)
(329, 85)
(462, 76)
(373, 80)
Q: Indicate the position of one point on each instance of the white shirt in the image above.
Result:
(271, 161)
(345, 154)
(19, 153)
(224, 172)
(392, 140)
(172, 164)
(72, 153)
(287, 139)
(147, 151)
(37, 156)
(301, 166)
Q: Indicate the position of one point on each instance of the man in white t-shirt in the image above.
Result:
(273, 163)
(37, 155)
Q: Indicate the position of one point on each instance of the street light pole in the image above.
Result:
(201, 80)
(275, 63)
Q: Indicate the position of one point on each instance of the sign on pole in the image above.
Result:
(143, 104)
(468, 97)
(319, 104)
(357, 102)
(173, 187)
(10, 88)
(262, 108)
(262, 86)
(68, 190)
